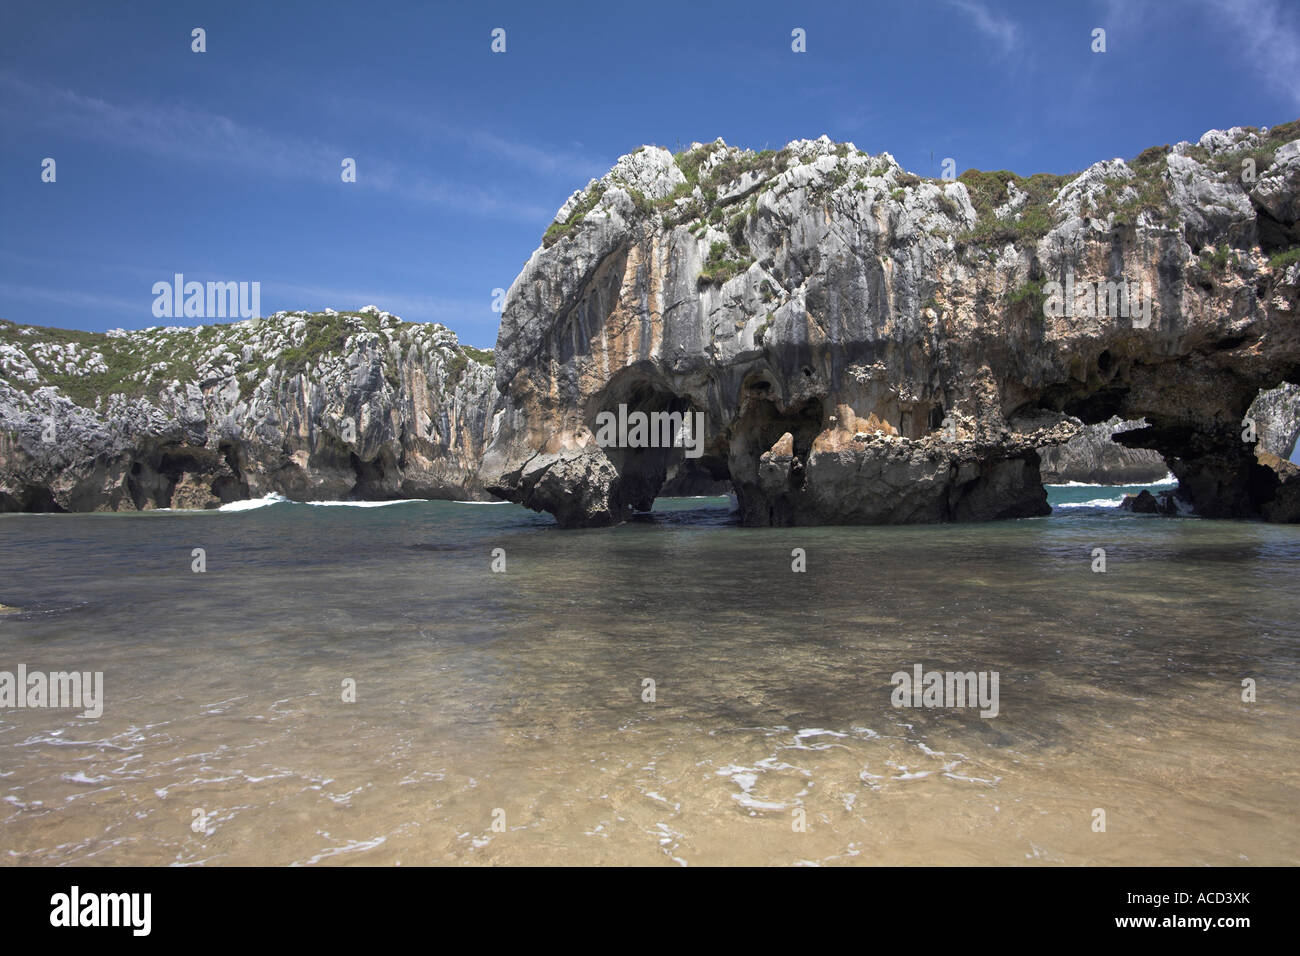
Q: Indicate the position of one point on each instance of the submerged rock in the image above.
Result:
(1148, 504)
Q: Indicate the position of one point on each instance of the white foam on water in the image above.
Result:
(1168, 479)
(81, 777)
(362, 504)
(985, 780)
(669, 840)
(1093, 503)
(749, 803)
(274, 498)
(482, 502)
(743, 777)
(818, 732)
(248, 504)
(812, 732)
(352, 846)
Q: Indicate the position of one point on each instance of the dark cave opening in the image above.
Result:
(655, 440)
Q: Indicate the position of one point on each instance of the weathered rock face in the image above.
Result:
(867, 346)
(1093, 458)
(1276, 414)
(323, 406)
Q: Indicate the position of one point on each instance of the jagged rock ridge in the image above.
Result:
(312, 406)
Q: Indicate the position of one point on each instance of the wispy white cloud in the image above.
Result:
(95, 303)
(567, 163)
(1261, 37)
(570, 164)
(1270, 34)
(1004, 31)
(204, 138)
(1122, 15)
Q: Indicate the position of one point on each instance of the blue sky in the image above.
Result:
(225, 165)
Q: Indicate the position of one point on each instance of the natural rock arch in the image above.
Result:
(904, 335)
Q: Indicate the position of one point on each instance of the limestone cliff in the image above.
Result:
(870, 346)
(311, 406)
(865, 346)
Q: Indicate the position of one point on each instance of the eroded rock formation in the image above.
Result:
(869, 346)
(1276, 414)
(322, 406)
(865, 346)
(1092, 457)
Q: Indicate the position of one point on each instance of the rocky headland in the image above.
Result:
(868, 345)
(865, 346)
(312, 406)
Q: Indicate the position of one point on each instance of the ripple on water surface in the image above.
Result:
(225, 737)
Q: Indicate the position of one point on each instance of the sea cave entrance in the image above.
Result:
(658, 441)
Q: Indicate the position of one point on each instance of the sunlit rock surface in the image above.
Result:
(869, 346)
(320, 406)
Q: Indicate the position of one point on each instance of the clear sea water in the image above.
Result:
(500, 716)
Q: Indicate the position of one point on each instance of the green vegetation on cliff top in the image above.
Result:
(1125, 199)
(138, 364)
